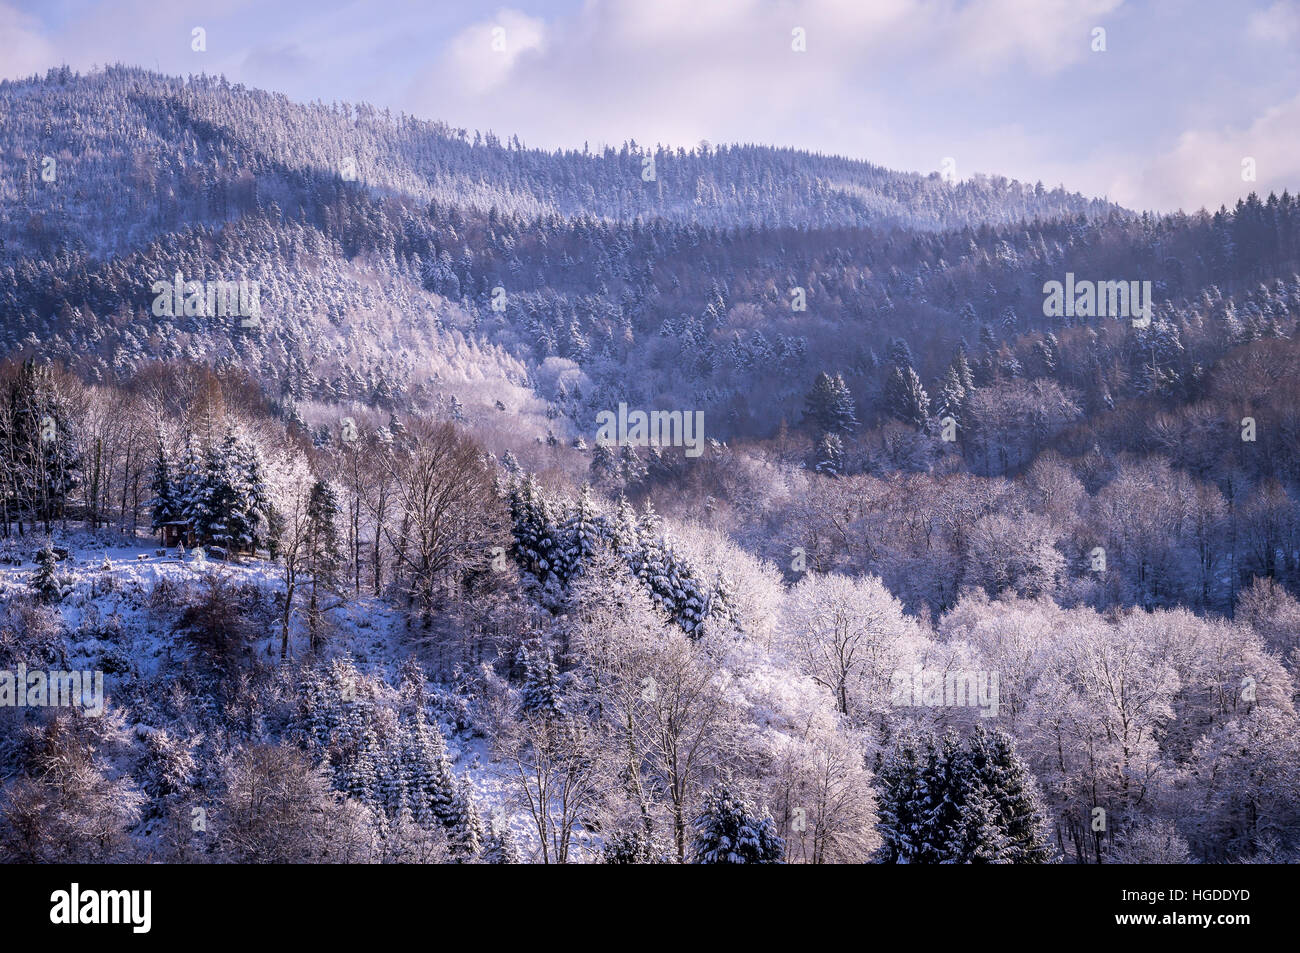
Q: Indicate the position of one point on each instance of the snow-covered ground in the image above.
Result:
(110, 626)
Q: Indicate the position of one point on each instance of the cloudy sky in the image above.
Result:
(1161, 119)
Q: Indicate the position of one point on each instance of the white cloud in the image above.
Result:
(677, 71)
(1280, 23)
(1046, 35)
(482, 57)
(1205, 166)
(23, 48)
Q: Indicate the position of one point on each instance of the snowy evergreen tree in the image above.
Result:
(536, 532)
(39, 447)
(829, 455)
(230, 505)
(364, 761)
(899, 809)
(1006, 782)
(431, 787)
(45, 581)
(604, 465)
(945, 802)
(324, 552)
(905, 398)
(164, 506)
(581, 533)
(540, 693)
(899, 353)
(829, 406)
(189, 494)
(465, 829)
(637, 846)
(729, 831)
(499, 846)
(631, 469)
(952, 397)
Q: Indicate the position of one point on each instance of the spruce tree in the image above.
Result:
(164, 506)
(324, 550)
(361, 767)
(829, 455)
(1014, 793)
(581, 534)
(465, 832)
(540, 694)
(499, 846)
(905, 398)
(45, 580)
(604, 465)
(430, 782)
(631, 469)
(829, 406)
(38, 444)
(899, 353)
(729, 831)
(189, 496)
(951, 399)
(899, 804)
(945, 802)
(941, 790)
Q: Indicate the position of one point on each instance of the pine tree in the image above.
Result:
(975, 837)
(604, 465)
(190, 495)
(164, 506)
(582, 534)
(465, 832)
(535, 531)
(317, 711)
(829, 406)
(230, 505)
(623, 531)
(729, 831)
(829, 455)
(45, 580)
(430, 782)
(941, 790)
(216, 499)
(899, 353)
(944, 802)
(361, 768)
(637, 846)
(499, 846)
(541, 694)
(962, 367)
(631, 469)
(391, 786)
(1018, 808)
(951, 399)
(905, 398)
(256, 500)
(39, 446)
(899, 805)
(324, 550)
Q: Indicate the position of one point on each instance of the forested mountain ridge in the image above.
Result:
(666, 290)
(202, 150)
